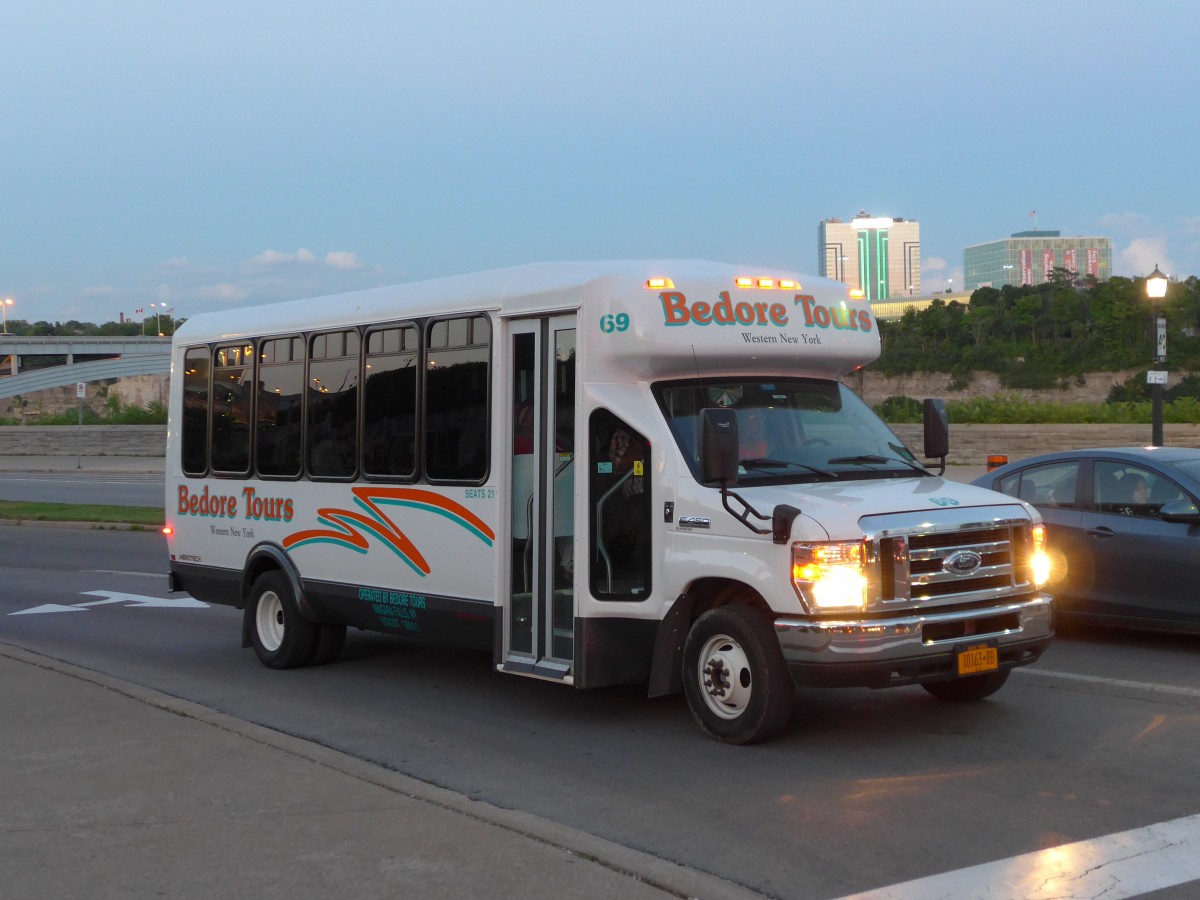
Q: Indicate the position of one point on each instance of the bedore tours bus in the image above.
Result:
(606, 473)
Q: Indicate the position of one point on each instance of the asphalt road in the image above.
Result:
(89, 487)
(866, 789)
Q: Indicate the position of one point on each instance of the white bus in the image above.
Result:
(607, 473)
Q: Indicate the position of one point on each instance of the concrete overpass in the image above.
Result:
(34, 363)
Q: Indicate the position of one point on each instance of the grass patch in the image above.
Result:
(77, 512)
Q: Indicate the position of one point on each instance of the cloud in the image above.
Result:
(343, 259)
(175, 262)
(933, 264)
(1143, 254)
(275, 258)
(97, 291)
(225, 292)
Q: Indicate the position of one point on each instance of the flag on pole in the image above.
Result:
(137, 311)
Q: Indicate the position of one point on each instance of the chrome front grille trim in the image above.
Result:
(908, 556)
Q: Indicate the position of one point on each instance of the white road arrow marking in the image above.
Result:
(47, 608)
(139, 601)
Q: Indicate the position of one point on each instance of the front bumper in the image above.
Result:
(912, 649)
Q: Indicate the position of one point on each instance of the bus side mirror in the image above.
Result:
(718, 445)
(937, 430)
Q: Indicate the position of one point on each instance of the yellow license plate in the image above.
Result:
(980, 658)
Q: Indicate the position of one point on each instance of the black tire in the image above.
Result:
(282, 638)
(969, 689)
(734, 677)
(329, 643)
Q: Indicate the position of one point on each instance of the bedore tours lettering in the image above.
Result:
(678, 310)
(396, 609)
(225, 506)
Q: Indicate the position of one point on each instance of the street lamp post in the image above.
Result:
(1156, 290)
(4, 305)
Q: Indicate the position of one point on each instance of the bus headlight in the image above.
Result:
(1039, 559)
(830, 577)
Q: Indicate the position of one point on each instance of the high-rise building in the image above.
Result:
(1030, 257)
(879, 256)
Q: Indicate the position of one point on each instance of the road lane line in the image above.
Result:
(1152, 687)
(1115, 866)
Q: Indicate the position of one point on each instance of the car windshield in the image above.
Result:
(789, 429)
(1190, 467)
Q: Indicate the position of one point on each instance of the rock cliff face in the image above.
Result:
(137, 390)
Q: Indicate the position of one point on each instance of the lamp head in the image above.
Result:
(1156, 284)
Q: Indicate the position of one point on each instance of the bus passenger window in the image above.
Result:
(194, 443)
(233, 376)
(457, 398)
(390, 403)
(280, 392)
(619, 500)
(332, 412)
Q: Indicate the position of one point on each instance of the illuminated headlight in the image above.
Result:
(1039, 559)
(830, 577)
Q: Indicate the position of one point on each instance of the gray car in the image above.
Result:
(1123, 529)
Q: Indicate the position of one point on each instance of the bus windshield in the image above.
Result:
(789, 429)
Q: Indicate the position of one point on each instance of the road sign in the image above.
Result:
(81, 390)
(1156, 377)
(1160, 344)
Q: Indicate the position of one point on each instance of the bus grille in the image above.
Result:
(938, 568)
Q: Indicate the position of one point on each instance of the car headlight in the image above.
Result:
(830, 577)
(1039, 559)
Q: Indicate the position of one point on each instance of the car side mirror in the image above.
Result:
(1180, 511)
(718, 445)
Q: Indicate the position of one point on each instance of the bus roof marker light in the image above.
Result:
(766, 282)
(789, 285)
(856, 294)
(743, 281)
(659, 284)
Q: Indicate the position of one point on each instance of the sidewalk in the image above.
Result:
(115, 790)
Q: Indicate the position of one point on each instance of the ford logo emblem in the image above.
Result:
(962, 562)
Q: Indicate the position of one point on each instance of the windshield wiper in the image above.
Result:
(763, 463)
(867, 459)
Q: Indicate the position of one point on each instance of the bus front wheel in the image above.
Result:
(735, 680)
(282, 638)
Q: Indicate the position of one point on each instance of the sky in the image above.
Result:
(209, 155)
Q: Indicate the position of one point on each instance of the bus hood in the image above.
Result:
(838, 507)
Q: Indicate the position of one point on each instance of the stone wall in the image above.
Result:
(874, 387)
(95, 440)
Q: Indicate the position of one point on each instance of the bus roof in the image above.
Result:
(762, 316)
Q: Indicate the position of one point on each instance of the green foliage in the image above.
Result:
(1044, 336)
(115, 413)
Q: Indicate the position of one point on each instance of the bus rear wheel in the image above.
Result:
(735, 680)
(281, 636)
